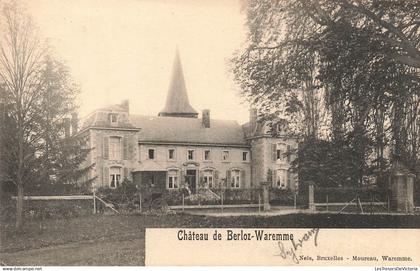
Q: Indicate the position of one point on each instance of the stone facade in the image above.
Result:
(177, 149)
(214, 163)
(272, 156)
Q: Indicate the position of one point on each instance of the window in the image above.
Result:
(171, 154)
(207, 155)
(151, 154)
(245, 156)
(152, 180)
(280, 151)
(173, 179)
(114, 177)
(115, 148)
(225, 155)
(279, 127)
(235, 179)
(281, 179)
(208, 179)
(190, 155)
(288, 153)
(278, 154)
(113, 118)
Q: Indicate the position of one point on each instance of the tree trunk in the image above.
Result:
(19, 207)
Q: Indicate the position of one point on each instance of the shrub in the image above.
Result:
(281, 196)
(123, 196)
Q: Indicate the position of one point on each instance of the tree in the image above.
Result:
(37, 97)
(20, 62)
(348, 66)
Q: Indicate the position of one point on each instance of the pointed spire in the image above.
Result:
(177, 103)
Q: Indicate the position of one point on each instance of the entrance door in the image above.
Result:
(191, 179)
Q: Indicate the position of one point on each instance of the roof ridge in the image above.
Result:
(181, 118)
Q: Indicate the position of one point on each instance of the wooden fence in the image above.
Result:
(92, 197)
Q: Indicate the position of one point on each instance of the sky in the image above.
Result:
(124, 49)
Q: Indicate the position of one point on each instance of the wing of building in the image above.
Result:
(178, 149)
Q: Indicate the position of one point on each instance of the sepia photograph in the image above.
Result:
(226, 132)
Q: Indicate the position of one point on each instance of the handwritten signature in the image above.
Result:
(290, 251)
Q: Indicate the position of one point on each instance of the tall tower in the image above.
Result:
(177, 103)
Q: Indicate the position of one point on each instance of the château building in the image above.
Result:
(178, 148)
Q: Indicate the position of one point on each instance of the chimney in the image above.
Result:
(253, 114)
(206, 118)
(67, 127)
(74, 123)
(126, 105)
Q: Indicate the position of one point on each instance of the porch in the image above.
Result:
(153, 176)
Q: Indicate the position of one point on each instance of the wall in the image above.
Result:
(259, 169)
(102, 164)
(262, 159)
(235, 161)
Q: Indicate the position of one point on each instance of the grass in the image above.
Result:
(119, 239)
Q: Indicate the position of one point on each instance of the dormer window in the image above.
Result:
(113, 118)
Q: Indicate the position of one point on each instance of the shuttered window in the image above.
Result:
(115, 148)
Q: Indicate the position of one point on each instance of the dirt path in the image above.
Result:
(129, 252)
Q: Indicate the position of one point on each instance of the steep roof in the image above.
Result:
(100, 117)
(177, 102)
(188, 130)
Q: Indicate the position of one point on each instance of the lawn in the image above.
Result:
(119, 239)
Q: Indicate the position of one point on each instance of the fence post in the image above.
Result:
(94, 201)
(266, 195)
(259, 203)
(371, 203)
(139, 191)
(222, 201)
(294, 200)
(311, 197)
(183, 201)
(327, 202)
(140, 203)
(388, 203)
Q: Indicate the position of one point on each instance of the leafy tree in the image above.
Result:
(327, 165)
(342, 71)
(37, 98)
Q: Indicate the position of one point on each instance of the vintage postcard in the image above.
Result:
(209, 133)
